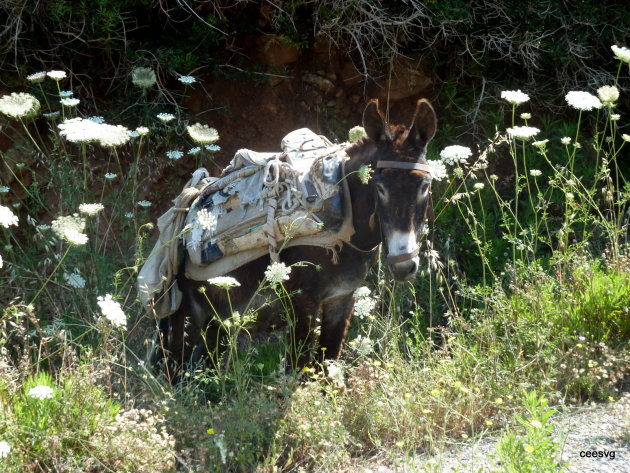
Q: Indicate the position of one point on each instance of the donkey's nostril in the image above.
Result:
(413, 268)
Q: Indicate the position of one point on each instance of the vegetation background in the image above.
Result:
(526, 305)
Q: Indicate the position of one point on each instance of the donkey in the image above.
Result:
(390, 209)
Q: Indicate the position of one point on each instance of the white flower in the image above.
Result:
(526, 116)
(90, 209)
(363, 345)
(79, 130)
(187, 79)
(277, 272)
(622, 53)
(66, 93)
(134, 134)
(194, 150)
(625, 137)
(70, 228)
(212, 148)
(569, 195)
(515, 97)
(69, 102)
(144, 203)
(608, 93)
(438, 170)
(542, 144)
(478, 186)
(96, 119)
(356, 133)
(335, 372)
(41, 392)
(225, 282)
(364, 306)
(113, 135)
(110, 175)
(128, 215)
(202, 133)
(365, 173)
(4, 189)
(5, 449)
(75, 279)
(362, 291)
(455, 154)
(206, 220)
(166, 117)
(523, 132)
(566, 140)
(535, 172)
(112, 310)
(614, 117)
(1, 262)
(7, 217)
(582, 100)
(19, 105)
(37, 77)
(142, 130)
(56, 75)
(174, 154)
(143, 77)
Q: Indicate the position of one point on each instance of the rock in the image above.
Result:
(272, 50)
(408, 79)
(350, 75)
(318, 81)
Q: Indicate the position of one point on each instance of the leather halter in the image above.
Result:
(411, 166)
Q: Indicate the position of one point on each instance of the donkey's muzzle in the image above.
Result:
(404, 270)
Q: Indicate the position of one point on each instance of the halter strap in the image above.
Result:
(403, 257)
(404, 165)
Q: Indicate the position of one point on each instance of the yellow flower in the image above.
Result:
(528, 448)
(489, 423)
(498, 400)
(435, 392)
(210, 431)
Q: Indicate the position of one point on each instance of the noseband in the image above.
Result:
(410, 166)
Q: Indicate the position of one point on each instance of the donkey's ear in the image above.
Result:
(424, 123)
(374, 122)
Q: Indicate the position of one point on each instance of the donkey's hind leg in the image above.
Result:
(335, 321)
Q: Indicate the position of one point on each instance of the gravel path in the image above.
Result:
(601, 428)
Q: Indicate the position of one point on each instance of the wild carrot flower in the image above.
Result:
(90, 209)
(206, 220)
(187, 80)
(212, 148)
(37, 77)
(70, 229)
(56, 75)
(438, 170)
(535, 172)
(110, 175)
(41, 392)
(608, 94)
(565, 140)
(523, 133)
(19, 105)
(225, 282)
(112, 136)
(455, 154)
(335, 372)
(4, 189)
(478, 186)
(194, 150)
(7, 217)
(174, 154)
(363, 345)
(112, 310)
(515, 97)
(144, 203)
(69, 102)
(1, 262)
(277, 272)
(526, 116)
(143, 77)
(165, 117)
(142, 130)
(622, 53)
(202, 134)
(66, 93)
(362, 291)
(75, 279)
(363, 306)
(542, 144)
(356, 133)
(614, 117)
(365, 173)
(582, 100)
(96, 119)
(5, 449)
(625, 137)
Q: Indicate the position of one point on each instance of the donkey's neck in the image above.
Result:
(367, 231)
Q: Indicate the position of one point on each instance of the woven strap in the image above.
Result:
(404, 165)
(404, 257)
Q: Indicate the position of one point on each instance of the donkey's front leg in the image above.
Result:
(335, 321)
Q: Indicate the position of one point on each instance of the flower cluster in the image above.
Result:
(356, 133)
(225, 282)
(277, 272)
(455, 154)
(70, 229)
(90, 209)
(202, 134)
(79, 130)
(622, 53)
(112, 311)
(7, 217)
(75, 280)
(19, 105)
(523, 133)
(143, 77)
(582, 100)
(438, 170)
(364, 303)
(515, 97)
(41, 392)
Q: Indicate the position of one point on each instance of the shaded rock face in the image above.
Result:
(272, 50)
(407, 79)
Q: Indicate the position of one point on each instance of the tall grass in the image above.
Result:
(527, 293)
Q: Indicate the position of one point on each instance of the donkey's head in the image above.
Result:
(402, 183)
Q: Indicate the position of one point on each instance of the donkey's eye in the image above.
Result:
(424, 189)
